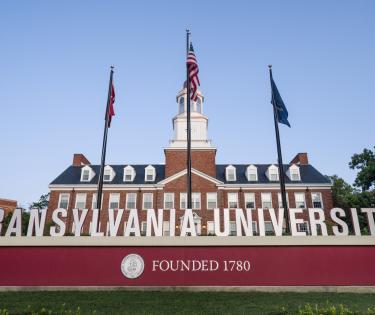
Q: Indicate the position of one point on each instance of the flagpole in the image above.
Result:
(104, 149)
(188, 126)
(280, 159)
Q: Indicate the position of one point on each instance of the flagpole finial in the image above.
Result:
(270, 66)
(112, 67)
(187, 31)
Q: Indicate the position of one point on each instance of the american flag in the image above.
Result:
(193, 70)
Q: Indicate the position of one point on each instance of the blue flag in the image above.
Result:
(281, 111)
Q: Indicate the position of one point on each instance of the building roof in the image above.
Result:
(72, 175)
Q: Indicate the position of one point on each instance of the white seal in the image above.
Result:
(132, 266)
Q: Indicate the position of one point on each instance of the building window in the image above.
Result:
(249, 201)
(143, 228)
(210, 228)
(114, 201)
(168, 200)
(183, 201)
(317, 200)
(273, 173)
(211, 200)
(300, 200)
(85, 175)
(64, 201)
(232, 200)
(252, 173)
(199, 105)
(148, 201)
(294, 174)
(107, 175)
(131, 201)
(266, 200)
(166, 229)
(80, 201)
(232, 228)
(255, 228)
(280, 201)
(196, 201)
(303, 227)
(94, 200)
(230, 173)
(268, 227)
(181, 105)
(129, 173)
(150, 174)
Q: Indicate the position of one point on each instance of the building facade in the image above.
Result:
(155, 186)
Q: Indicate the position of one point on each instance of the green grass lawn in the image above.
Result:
(135, 302)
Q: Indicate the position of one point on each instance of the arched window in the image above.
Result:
(181, 107)
(199, 105)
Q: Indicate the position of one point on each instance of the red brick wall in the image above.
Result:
(202, 160)
(8, 205)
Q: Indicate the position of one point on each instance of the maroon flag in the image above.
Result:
(111, 110)
(193, 73)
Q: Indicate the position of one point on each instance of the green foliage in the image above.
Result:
(365, 163)
(328, 309)
(63, 310)
(24, 220)
(42, 203)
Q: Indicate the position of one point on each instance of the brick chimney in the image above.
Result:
(300, 158)
(79, 159)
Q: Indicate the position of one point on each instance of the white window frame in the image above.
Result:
(143, 228)
(210, 231)
(164, 201)
(144, 201)
(252, 170)
(246, 198)
(67, 203)
(273, 170)
(151, 169)
(263, 194)
(114, 197)
(91, 173)
(207, 200)
(306, 229)
(280, 200)
(304, 199)
(268, 224)
(127, 200)
(228, 169)
(95, 199)
(229, 201)
(294, 170)
(166, 228)
(183, 201)
(81, 201)
(112, 174)
(132, 173)
(194, 203)
(321, 199)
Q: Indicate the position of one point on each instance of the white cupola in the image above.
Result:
(199, 123)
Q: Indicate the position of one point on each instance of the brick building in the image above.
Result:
(155, 186)
(8, 205)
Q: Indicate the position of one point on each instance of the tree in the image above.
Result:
(42, 203)
(365, 163)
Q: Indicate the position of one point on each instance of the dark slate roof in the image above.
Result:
(309, 174)
(72, 175)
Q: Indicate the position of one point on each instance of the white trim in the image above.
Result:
(91, 173)
(194, 171)
(321, 198)
(232, 194)
(114, 196)
(261, 199)
(208, 193)
(143, 201)
(173, 200)
(112, 173)
(133, 173)
(85, 200)
(64, 193)
(127, 198)
(150, 168)
(251, 167)
(230, 168)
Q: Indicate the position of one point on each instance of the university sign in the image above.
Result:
(155, 222)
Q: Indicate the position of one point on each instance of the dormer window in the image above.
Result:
(252, 173)
(109, 174)
(230, 173)
(150, 174)
(87, 174)
(294, 173)
(129, 174)
(273, 173)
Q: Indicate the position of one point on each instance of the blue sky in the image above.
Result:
(55, 58)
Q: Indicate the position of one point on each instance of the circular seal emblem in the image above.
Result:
(132, 266)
